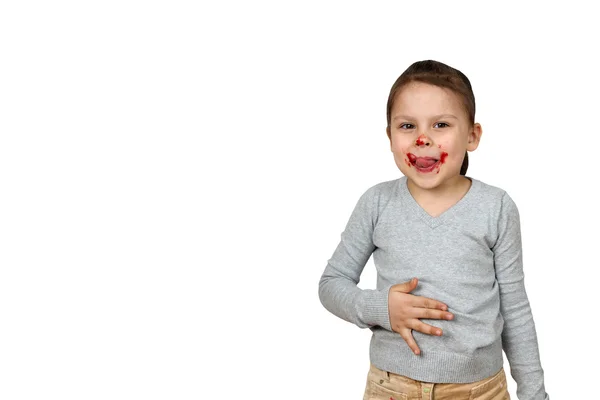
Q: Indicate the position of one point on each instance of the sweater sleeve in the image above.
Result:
(338, 290)
(519, 338)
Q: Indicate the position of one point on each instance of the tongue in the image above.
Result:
(424, 162)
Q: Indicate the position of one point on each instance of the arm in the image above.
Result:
(519, 340)
(338, 290)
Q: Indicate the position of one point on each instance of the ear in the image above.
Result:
(474, 137)
(389, 135)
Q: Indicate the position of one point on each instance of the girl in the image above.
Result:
(461, 240)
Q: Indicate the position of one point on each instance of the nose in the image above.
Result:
(423, 140)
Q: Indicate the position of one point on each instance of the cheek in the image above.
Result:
(443, 157)
(405, 158)
(400, 154)
(448, 154)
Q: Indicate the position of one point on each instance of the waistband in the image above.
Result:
(434, 365)
(409, 385)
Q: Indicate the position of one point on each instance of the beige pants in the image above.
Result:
(383, 385)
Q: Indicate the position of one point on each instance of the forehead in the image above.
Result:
(422, 98)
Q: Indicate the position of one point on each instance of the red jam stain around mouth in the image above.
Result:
(443, 157)
(412, 160)
(442, 160)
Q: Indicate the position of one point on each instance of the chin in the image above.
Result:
(426, 183)
(426, 180)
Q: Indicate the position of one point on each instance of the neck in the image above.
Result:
(447, 188)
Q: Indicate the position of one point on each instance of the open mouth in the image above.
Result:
(424, 164)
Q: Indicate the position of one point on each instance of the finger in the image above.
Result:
(429, 313)
(426, 302)
(405, 287)
(425, 328)
(410, 340)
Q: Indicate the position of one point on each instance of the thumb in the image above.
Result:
(406, 287)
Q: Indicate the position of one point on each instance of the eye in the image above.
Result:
(406, 126)
(443, 123)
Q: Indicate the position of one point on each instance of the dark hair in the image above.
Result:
(442, 75)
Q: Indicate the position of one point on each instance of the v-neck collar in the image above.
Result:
(434, 222)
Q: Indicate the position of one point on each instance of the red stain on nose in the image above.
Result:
(420, 140)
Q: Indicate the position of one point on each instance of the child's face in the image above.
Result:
(429, 121)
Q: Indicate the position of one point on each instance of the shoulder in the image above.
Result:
(497, 198)
(376, 198)
(492, 192)
(385, 186)
(382, 190)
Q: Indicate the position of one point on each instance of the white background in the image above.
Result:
(175, 175)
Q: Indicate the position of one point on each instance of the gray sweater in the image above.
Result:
(469, 258)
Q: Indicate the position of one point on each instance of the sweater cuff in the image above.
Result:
(372, 305)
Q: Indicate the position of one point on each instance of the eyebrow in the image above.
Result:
(434, 117)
